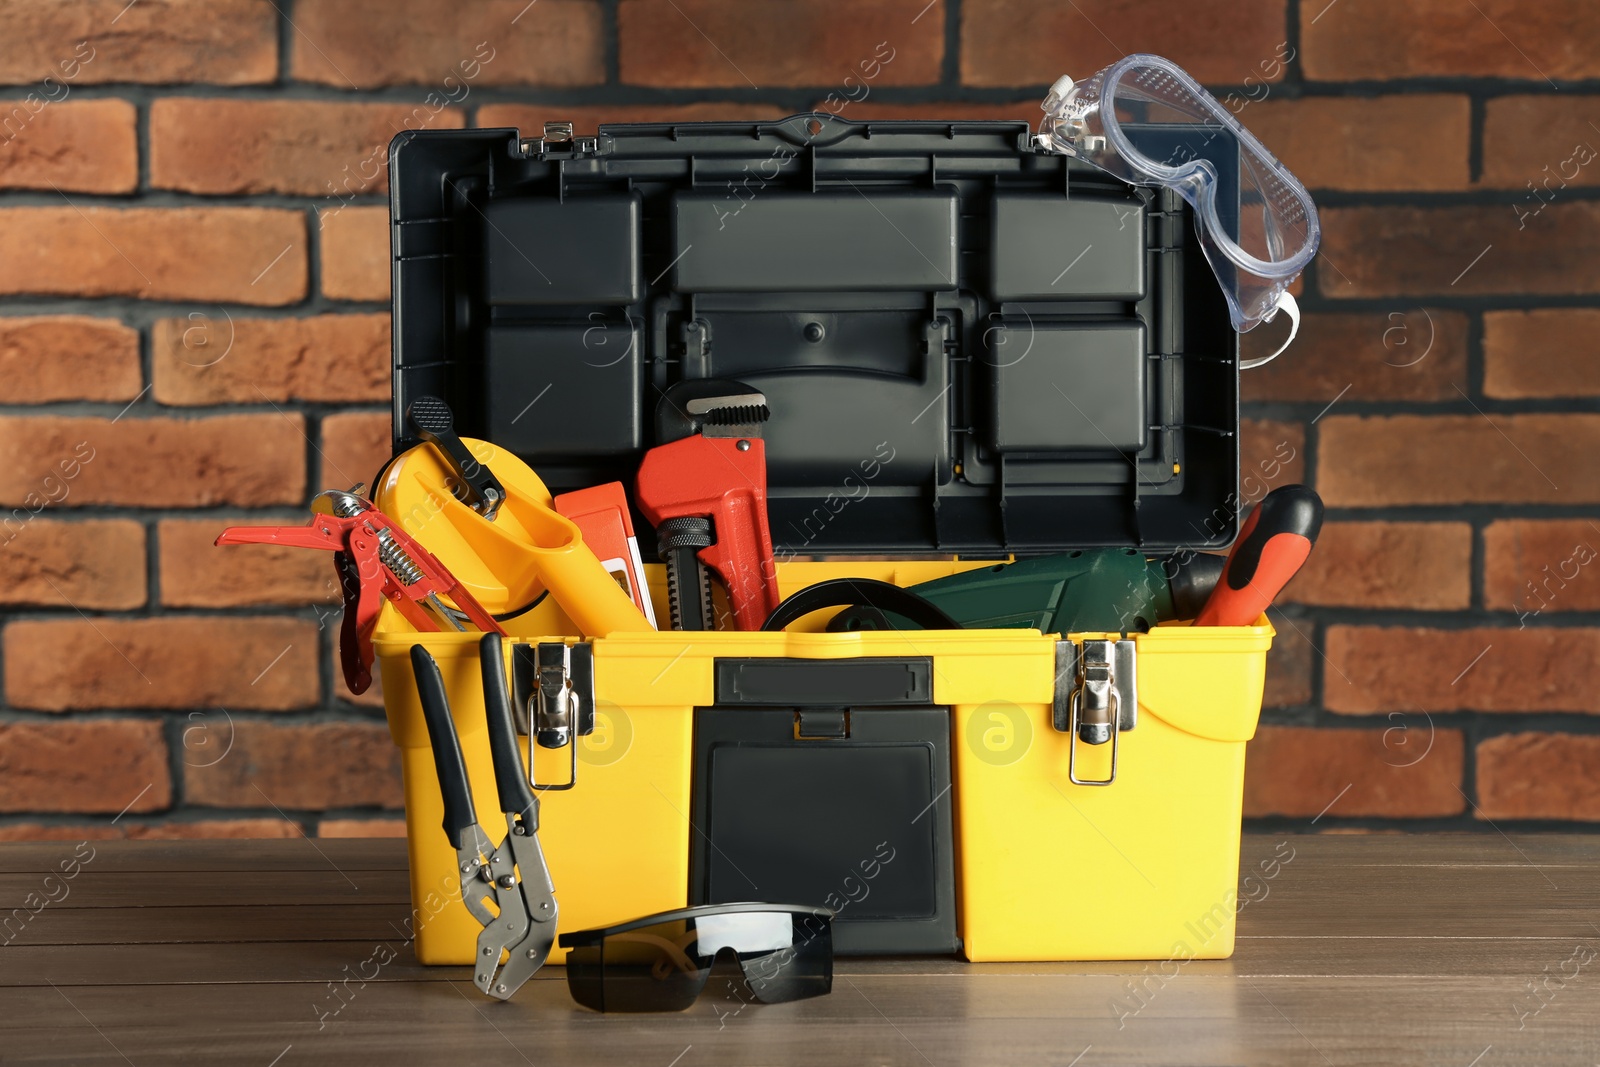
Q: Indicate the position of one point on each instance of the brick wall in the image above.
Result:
(194, 332)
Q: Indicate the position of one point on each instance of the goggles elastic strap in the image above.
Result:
(1287, 305)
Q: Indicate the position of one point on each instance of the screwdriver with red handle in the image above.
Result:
(1271, 548)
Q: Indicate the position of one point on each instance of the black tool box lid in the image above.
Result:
(968, 345)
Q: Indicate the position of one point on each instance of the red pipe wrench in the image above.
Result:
(705, 491)
(377, 561)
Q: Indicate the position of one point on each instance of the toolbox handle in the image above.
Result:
(856, 592)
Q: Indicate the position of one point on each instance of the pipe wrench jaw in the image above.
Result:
(712, 469)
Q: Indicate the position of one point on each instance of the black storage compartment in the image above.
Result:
(1010, 350)
(847, 808)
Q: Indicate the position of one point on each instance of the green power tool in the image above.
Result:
(1102, 590)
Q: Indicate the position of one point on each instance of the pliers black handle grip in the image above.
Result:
(510, 778)
(459, 814)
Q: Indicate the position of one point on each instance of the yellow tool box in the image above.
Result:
(1143, 869)
(949, 386)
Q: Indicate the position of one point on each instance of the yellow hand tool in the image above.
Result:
(509, 561)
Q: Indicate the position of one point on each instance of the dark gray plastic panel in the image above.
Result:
(554, 389)
(791, 682)
(872, 239)
(581, 250)
(1056, 248)
(865, 823)
(900, 427)
(1073, 387)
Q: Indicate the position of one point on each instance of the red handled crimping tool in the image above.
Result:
(705, 491)
(377, 561)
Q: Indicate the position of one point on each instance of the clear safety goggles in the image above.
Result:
(1146, 121)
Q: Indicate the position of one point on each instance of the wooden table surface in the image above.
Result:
(1474, 951)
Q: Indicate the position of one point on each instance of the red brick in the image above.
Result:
(171, 662)
(1289, 665)
(362, 44)
(1410, 770)
(1547, 352)
(247, 460)
(1381, 669)
(211, 253)
(101, 766)
(68, 357)
(1428, 251)
(355, 444)
(1034, 42)
(1423, 566)
(33, 831)
(1368, 144)
(214, 828)
(1539, 776)
(1270, 454)
(1374, 461)
(83, 146)
(1543, 140)
(328, 358)
(1532, 566)
(196, 573)
(361, 828)
(300, 147)
(305, 767)
(1419, 354)
(98, 565)
(586, 119)
(766, 43)
(1375, 39)
(355, 253)
(224, 42)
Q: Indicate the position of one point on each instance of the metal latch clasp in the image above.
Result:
(1096, 698)
(555, 686)
(557, 712)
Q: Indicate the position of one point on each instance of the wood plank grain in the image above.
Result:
(187, 889)
(1423, 850)
(1466, 901)
(946, 1020)
(329, 960)
(1372, 949)
(303, 854)
(209, 923)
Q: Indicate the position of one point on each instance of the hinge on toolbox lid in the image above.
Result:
(554, 698)
(559, 135)
(1096, 685)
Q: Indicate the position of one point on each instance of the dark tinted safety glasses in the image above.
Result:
(662, 962)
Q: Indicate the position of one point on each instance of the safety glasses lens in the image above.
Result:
(665, 966)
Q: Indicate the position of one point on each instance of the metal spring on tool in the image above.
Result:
(392, 555)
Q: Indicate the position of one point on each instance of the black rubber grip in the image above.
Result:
(459, 815)
(1288, 509)
(435, 424)
(1192, 579)
(431, 415)
(510, 776)
(849, 592)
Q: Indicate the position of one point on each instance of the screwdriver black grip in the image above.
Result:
(510, 777)
(435, 424)
(459, 815)
(1273, 545)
